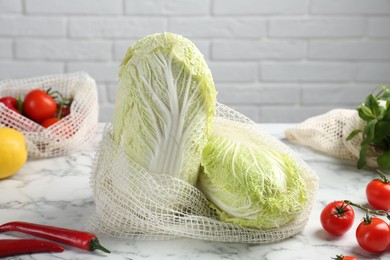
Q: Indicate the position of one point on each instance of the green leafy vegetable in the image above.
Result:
(248, 183)
(377, 128)
(164, 105)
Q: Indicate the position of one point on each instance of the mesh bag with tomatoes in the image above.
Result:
(51, 134)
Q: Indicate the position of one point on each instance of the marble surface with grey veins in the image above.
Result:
(57, 192)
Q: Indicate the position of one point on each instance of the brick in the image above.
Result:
(5, 48)
(288, 114)
(121, 47)
(212, 27)
(350, 7)
(255, 50)
(258, 94)
(107, 71)
(335, 94)
(316, 27)
(10, 6)
(74, 6)
(32, 26)
(350, 50)
(379, 27)
(163, 7)
(63, 49)
(203, 45)
(379, 73)
(233, 94)
(111, 90)
(307, 71)
(251, 7)
(113, 27)
(106, 113)
(102, 93)
(24, 69)
(233, 72)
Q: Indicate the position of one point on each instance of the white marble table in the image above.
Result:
(57, 192)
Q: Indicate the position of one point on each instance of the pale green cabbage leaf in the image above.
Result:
(164, 105)
(247, 182)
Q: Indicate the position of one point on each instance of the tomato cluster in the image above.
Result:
(372, 233)
(40, 106)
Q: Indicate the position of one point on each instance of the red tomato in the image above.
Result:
(378, 194)
(65, 111)
(10, 102)
(49, 121)
(38, 105)
(337, 218)
(349, 257)
(373, 235)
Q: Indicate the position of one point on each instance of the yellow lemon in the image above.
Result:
(13, 151)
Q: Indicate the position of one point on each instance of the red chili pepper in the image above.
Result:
(9, 247)
(80, 239)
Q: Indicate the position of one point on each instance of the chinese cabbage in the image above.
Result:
(247, 182)
(164, 105)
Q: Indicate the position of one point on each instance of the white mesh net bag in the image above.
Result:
(68, 134)
(328, 133)
(133, 203)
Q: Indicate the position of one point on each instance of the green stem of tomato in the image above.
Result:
(63, 101)
(19, 105)
(383, 177)
(369, 211)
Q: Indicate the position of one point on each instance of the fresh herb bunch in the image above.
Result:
(377, 129)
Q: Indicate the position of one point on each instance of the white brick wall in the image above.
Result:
(274, 60)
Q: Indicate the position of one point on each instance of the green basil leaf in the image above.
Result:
(386, 113)
(362, 157)
(375, 108)
(369, 130)
(370, 99)
(385, 93)
(382, 130)
(353, 134)
(365, 113)
(381, 112)
(384, 160)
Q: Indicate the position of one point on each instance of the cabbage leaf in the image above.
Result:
(164, 105)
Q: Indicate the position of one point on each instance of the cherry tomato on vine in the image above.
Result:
(346, 257)
(378, 194)
(373, 234)
(39, 105)
(337, 218)
(49, 121)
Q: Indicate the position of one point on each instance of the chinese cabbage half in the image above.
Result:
(164, 105)
(247, 182)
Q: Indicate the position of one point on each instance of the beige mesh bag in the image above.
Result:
(69, 133)
(328, 133)
(133, 203)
